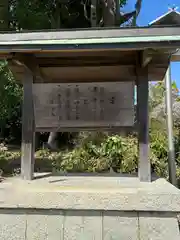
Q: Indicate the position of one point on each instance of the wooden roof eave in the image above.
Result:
(90, 33)
(161, 42)
(170, 17)
(91, 40)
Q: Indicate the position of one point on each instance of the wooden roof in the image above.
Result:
(172, 17)
(124, 38)
(90, 54)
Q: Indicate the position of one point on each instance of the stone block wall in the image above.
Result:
(44, 224)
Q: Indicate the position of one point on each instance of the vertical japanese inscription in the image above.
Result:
(51, 102)
(101, 103)
(95, 91)
(68, 103)
(77, 102)
(112, 100)
(59, 101)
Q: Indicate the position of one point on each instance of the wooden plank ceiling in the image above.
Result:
(88, 66)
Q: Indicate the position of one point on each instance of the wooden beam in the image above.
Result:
(87, 54)
(121, 59)
(144, 169)
(145, 58)
(155, 74)
(74, 70)
(97, 129)
(29, 61)
(94, 45)
(28, 129)
(95, 73)
(97, 61)
(108, 33)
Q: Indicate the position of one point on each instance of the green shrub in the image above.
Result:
(99, 153)
(42, 153)
(130, 155)
(6, 158)
(159, 153)
(10, 104)
(79, 160)
(117, 152)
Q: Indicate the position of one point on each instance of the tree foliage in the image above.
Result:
(46, 14)
(10, 100)
(157, 103)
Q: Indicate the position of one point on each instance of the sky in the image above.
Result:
(152, 9)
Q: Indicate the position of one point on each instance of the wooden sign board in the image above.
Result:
(83, 105)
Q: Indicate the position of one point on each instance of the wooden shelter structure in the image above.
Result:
(65, 72)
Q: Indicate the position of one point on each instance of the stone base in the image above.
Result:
(86, 208)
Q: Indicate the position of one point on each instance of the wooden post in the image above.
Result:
(28, 130)
(144, 169)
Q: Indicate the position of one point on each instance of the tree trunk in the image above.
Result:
(109, 13)
(4, 15)
(138, 6)
(52, 140)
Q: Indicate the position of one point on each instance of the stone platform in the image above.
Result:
(88, 208)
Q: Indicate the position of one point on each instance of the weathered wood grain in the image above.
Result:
(110, 129)
(28, 129)
(84, 105)
(90, 69)
(94, 73)
(91, 33)
(144, 170)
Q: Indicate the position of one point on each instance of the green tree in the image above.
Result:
(33, 14)
(4, 15)
(157, 102)
(10, 99)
